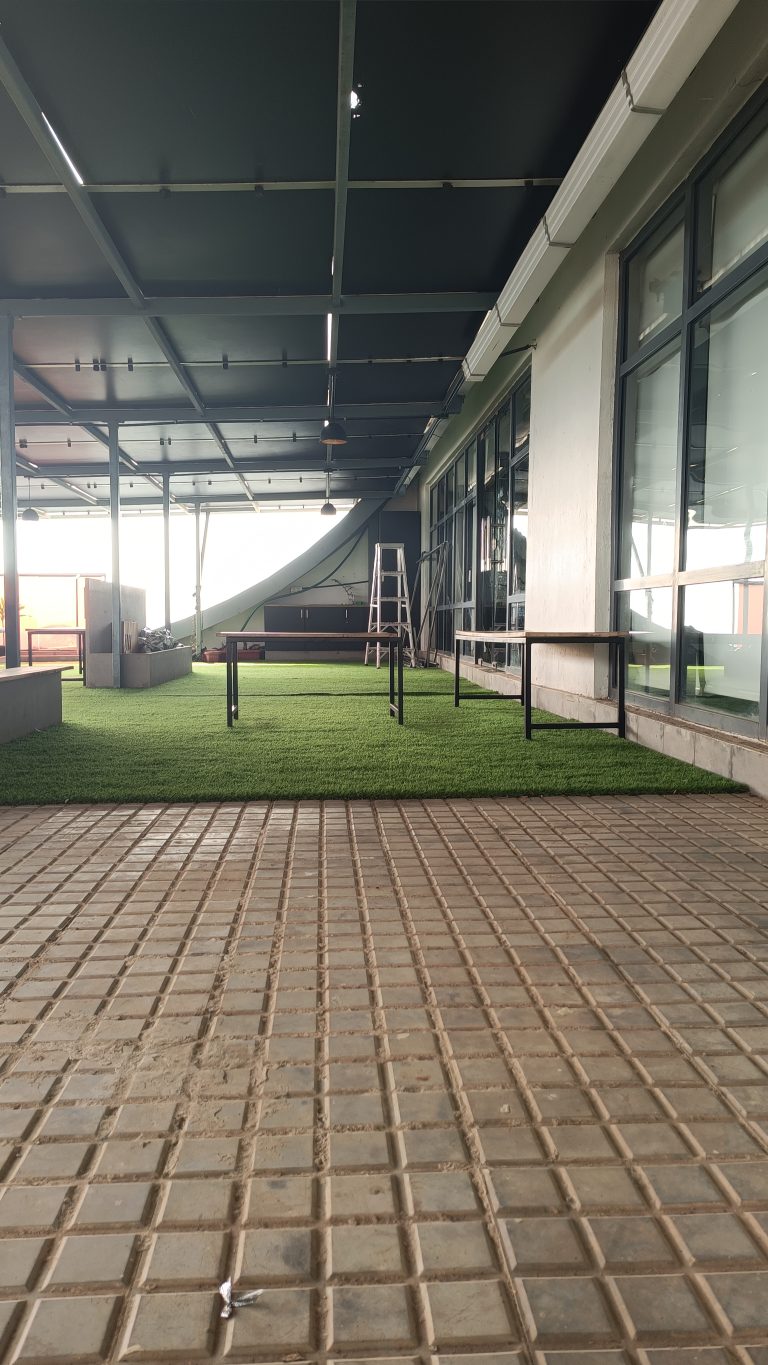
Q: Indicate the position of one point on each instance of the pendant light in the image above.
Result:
(333, 433)
(29, 513)
(328, 509)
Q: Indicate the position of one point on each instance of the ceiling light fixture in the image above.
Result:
(29, 513)
(333, 433)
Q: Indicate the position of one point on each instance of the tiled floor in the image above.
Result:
(477, 1079)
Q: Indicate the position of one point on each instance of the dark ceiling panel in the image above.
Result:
(408, 334)
(248, 338)
(24, 395)
(228, 243)
(202, 90)
(437, 239)
(201, 447)
(393, 383)
(266, 431)
(83, 450)
(114, 386)
(301, 384)
(21, 161)
(36, 340)
(45, 249)
(482, 88)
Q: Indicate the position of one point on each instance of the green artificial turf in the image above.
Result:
(318, 730)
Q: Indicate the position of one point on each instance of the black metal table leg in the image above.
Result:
(522, 673)
(457, 657)
(229, 683)
(622, 655)
(527, 690)
(29, 648)
(235, 680)
(399, 679)
(391, 682)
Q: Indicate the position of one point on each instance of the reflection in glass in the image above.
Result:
(472, 467)
(733, 212)
(655, 286)
(721, 642)
(649, 465)
(727, 464)
(647, 613)
(519, 526)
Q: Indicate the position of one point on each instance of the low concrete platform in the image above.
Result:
(30, 699)
(482, 1081)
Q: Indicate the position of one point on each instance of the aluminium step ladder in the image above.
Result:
(399, 620)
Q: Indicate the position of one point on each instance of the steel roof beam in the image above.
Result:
(347, 16)
(286, 186)
(32, 114)
(311, 412)
(251, 305)
(184, 469)
(302, 495)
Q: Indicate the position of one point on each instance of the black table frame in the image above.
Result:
(617, 646)
(78, 631)
(233, 639)
(480, 637)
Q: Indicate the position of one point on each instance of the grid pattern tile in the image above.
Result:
(462, 1079)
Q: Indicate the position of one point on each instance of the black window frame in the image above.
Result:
(696, 305)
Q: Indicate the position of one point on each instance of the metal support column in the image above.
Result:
(114, 517)
(167, 547)
(8, 495)
(198, 577)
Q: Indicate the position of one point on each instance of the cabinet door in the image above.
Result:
(284, 618)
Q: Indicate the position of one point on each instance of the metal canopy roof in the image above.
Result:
(239, 234)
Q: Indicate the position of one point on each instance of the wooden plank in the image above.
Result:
(10, 674)
(361, 636)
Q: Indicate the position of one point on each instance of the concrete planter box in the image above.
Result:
(161, 666)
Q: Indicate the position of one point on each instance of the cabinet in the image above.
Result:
(306, 619)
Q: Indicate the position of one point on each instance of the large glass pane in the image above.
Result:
(732, 211)
(501, 526)
(648, 491)
(721, 641)
(655, 281)
(449, 488)
(441, 499)
(458, 556)
(727, 460)
(472, 467)
(647, 613)
(522, 416)
(519, 526)
(469, 552)
(461, 478)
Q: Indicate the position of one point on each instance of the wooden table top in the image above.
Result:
(8, 674)
(362, 635)
(55, 630)
(518, 636)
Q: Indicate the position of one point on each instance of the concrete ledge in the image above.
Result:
(735, 756)
(157, 667)
(30, 700)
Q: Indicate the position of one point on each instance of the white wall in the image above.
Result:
(568, 551)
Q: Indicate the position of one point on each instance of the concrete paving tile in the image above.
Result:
(470, 1311)
(370, 1316)
(663, 1305)
(369, 1249)
(192, 1257)
(276, 1255)
(65, 1329)
(101, 1260)
(19, 1259)
(179, 1324)
(566, 1311)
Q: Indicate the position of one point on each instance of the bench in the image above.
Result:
(616, 640)
(30, 700)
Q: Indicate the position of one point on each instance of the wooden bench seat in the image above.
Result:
(30, 700)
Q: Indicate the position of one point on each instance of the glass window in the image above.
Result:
(461, 478)
(649, 491)
(519, 527)
(647, 613)
(732, 211)
(469, 552)
(449, 486)
(522, 416)
(721, 644)
(655, 284)
(727, 455)
(472, 467)
(441, 499)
